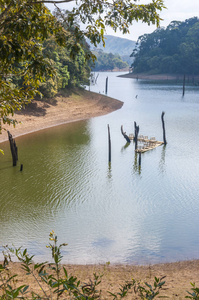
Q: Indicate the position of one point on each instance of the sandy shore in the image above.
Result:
(178, 277)
(84, 105)
(63, 109)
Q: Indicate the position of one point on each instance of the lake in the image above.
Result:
(118, 212)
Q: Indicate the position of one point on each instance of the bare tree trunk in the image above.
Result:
(13, 148)
(106, 86)
(163, 127)
(109, 145)
(125, 135)
(136, 135)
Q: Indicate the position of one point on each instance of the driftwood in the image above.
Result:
(13, 148)
(150, 147)
(136, 135)
(163, 127)
(125, 135)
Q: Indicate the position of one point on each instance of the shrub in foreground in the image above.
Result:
(53, 281)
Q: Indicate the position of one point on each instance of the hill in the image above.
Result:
(117, 45)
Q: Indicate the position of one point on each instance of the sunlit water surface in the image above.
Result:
(114, 213)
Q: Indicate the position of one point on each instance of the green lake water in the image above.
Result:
(114, 213)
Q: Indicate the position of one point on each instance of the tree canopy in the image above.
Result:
(23, 28)
(108, 61)
(174, 49)
(26, 24)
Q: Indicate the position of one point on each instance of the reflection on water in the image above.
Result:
(119, 212)
(109, 170)
(162, 159)
(125, 147)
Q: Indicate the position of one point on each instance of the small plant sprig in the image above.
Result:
(55, 282)
(148, 291)
(89, 289)
(35, 270)
(123, 290)
(195, 292)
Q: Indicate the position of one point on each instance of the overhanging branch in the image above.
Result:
(50, 1)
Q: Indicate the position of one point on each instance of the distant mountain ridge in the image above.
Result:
(117, 45)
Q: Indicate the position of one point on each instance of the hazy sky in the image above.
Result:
(179, 10)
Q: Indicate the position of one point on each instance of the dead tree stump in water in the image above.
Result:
(106, 85)
(163, 127)
(136, 135)
(13, 148)
(125, 135)
(109, 145)
(183, 89)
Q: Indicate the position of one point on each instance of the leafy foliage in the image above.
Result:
(23, 28)
(194, 294)
(69, 72)
(171, 50)
(118, 15)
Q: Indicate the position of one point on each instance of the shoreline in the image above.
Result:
(177, 280)
(161, 77)
(78, 106)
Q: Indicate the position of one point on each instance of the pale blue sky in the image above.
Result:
(176, 10)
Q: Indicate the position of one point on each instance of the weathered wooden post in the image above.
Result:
(109, 145)
(163, 127)
(183, 89)
(125, 135)
(106, 85)
(13, 149)
(136, 135)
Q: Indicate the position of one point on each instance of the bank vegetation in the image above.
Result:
(170, 50)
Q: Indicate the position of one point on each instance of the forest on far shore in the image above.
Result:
(173, 50)
(108, 61)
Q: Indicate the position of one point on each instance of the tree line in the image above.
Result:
(174, 49)
(70, 69)
(108, 61)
